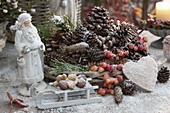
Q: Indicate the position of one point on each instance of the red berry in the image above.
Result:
(110, 55)
(105, 77)
(145, 47)
(135, 48)
(101, 70)
(104, 84)
(103, 64)
(138, 38)
(120, 53)
(109, 67)
(110, 86)
(103, 92)
(99, 90)
(111, 80)
(131, 46)
(145, 39)
(116, 81)
(105, 53)
(106, 90)
(111, 91)
(140, 47)
(119, 67)
(94, 68)
(126, 53)
(108, 81)
(119, 77)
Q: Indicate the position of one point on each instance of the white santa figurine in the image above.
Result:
(28, 45)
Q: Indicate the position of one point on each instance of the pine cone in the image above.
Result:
(98, 21)
(163, 74)
(118, 94)
(128, 87)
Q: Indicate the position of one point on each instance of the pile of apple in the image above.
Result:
(109, 80)
(138, 44)
(104, 66)
(109, 84)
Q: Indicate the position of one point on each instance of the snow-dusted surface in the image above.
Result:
(157, 101)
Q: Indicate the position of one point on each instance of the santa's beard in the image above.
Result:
(29, 33)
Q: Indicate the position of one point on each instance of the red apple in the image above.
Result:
(121, 53)
(105, 85)
(111, 80)
(106, 90)
(135, 48)
(108, 81)
(94, 68)
(145, 47)
(105, 53)
(100, 69)
(119, 78)
(140, 47)
(131, 46)
(138, 38)
(103, 92)
(126, 53)
(116, 81)
(110, 54)
(103, 64)
(109, 86)
(111, 91)
(119, 67)
(105, 77)
(145, 39)
(99, 90)
(107, 67)
(142, 41)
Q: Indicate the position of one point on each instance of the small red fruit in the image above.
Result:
(110, 54)
(103, 92)
(145, 47)
(101, 70)
(116, 81)
(109, 86)
(145, 39)
(105, 53)
(142, 41)
(111, 91)
(138, 38)
(105, 77)
(94, 68)
(126, 53)
(109, 67)
(140, 47)
(135, 48)
(106, 90)
(111, 80)
(105, 85)
(119, 78)
(103, 64)
(99, 90)
(120, 53)
(119, 67)
(131, 46)
(108, 81)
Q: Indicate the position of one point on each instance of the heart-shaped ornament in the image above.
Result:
(143, 73)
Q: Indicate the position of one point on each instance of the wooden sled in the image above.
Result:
(54, 97)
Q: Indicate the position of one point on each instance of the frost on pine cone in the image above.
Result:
(118, 94)
(128, 87)
(163, 74)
